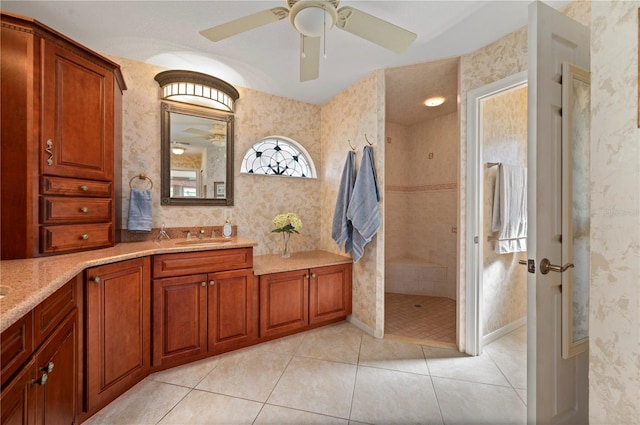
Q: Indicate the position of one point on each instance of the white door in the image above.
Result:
(557, 389)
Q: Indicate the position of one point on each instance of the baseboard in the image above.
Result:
(358, 324)
(498, 333)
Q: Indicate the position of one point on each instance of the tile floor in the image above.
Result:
(335, 375)
(420, 318)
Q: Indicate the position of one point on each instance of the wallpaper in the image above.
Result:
(614, 321)
(504, 139)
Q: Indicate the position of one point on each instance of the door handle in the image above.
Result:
(546, 267)
(522, 262)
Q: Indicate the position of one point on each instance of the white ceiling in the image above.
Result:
(166, 34)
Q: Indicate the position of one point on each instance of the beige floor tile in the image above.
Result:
(285, 345)
(391, 397)
(467, 368)
(523, 395)
(338, 343)
(317, 386)
(145, 403)
(513, 365)
(464, 403)
(248, 373)
(188, 375)
(201, 407)
(276, 415)
(394, 355)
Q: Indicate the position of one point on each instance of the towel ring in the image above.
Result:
(141, 177)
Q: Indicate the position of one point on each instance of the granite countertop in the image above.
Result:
(26, 283)
(274, 263)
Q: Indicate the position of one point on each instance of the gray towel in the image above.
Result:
(363, 206)
(341, 228)
(140, 211)
(509, 217)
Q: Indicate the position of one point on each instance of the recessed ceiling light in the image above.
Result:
(178, 150)
(434, 101)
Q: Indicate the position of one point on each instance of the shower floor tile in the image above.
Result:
(419, 317)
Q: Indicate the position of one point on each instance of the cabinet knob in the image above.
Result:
(84, 237)
(306, 276)
(203, 284)
(48, 368)
(95, 279)
(84, 188)
(84, 210)
(313, 275)
(211, 283)
(41, 380)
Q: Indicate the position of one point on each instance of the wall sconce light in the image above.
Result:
(177, 150)
(196, 88)
(434, 101)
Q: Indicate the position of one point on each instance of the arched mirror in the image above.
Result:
(197, 156)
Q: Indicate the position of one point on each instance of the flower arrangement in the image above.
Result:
(289, 223)
(286, 224)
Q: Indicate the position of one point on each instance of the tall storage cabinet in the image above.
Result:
(60, 137)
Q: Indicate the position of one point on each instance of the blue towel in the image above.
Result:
(140, 211)
(363, 206)
(341, 228)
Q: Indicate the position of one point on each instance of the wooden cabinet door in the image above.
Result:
(56, 400)
(231, 310)
(18, 398)
(284, 302)
(329, 293)
(77, 116)
(179, 318)
(117, 337)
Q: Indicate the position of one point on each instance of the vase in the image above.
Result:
(285, 240)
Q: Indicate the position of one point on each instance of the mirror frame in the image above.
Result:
(165, 160)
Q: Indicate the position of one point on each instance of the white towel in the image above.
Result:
(363, 206)
(510, 209)
(341, 228)
(139, 211)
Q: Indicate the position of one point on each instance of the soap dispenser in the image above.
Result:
(226, 229)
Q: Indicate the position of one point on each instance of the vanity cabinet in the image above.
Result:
(45, 388)
(117, 331)
(61, 138)
(204, 303)
(301, 299)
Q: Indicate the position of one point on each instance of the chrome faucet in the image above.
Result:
(188, 232)
(201, 235)
(163, 234)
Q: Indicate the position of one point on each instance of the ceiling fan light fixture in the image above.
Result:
(434, 101)
(177, 150)
(313, 21)
(196, 88)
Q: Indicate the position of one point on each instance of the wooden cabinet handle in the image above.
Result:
(203, 284)
(84, 237)
(41, 380)
(84, 188)
(313, 275)
(49, 151)
(211, 283)
(47, 368)
(84, 210)
(95, 279)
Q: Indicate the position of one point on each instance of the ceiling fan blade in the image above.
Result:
(374, 29)
(309, 58)
(183, 140)
(246, 23)
(198, 131)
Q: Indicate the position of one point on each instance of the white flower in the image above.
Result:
(288, 222)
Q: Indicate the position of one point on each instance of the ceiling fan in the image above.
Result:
(211, 135)
(312, 18)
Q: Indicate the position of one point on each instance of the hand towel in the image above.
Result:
(341, 228)
(509, 216)
(363, 206)
(139, 211)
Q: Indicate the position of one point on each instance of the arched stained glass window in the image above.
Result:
(278, 156)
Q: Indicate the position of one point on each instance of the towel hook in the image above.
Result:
(141, 177)
(367, 139)
(352, 148)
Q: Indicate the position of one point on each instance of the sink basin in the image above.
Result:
(209, 241)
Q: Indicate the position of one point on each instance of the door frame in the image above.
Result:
(474, 210)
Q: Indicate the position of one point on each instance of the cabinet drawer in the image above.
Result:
(76, 187)
(16, 345)
(49, 313)
(75, 237)
(74, 210)
(169, 265)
